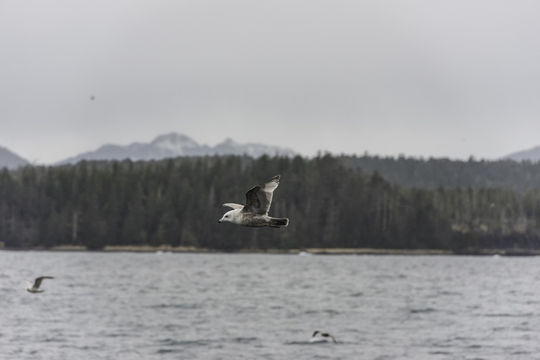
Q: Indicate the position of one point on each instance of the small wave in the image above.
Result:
(116, 335)
(203, 342)
(384, 357)
(422, 310)
(450, 293)
(325, 311)
(88, 347)
(460, 338)
(357, 294)
(439, 352)
(508, 315)
(520, 352)
(331, 312)
(174, 327)
(309, 343)
(176, 306)
(167, 351)
(173, 342)
(54, 339)
(245, 340)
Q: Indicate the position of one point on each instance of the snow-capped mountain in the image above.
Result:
(10, 160)
(179, 145)
(230, 147)
(172, 145)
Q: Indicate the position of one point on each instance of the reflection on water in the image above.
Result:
(223, 306)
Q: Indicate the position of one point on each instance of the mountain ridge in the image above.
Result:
(531, 154)
(174, 144)
(10, 160)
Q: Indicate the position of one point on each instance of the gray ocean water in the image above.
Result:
(229, 306)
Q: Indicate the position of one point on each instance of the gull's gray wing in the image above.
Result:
(37, 282)
(233, 205)
(259, 198)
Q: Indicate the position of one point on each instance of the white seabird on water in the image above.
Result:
(318, 337)
(255, 212)
(37, 283)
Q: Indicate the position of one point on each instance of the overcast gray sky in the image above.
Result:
(418, 77)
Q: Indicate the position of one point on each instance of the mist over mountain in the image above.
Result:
(532, 155)
(10, 160)
(173, 145)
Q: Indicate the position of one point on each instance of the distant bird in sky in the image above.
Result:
(37, 283)
(318, 337)
(255, 212)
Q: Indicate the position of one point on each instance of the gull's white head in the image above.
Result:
(233, 216)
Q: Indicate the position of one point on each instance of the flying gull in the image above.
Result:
(255, 212)
(318, 337)
(35, 287)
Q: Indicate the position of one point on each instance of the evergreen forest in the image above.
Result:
(332, 202)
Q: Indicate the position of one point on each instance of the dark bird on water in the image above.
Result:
(255, 212)
(37, 283)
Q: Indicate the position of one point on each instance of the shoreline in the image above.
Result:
(307, 251)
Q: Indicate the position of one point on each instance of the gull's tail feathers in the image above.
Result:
(279, 222)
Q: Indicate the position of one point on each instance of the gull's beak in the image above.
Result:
(219, 221)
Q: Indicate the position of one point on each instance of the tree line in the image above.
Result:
(436, 172)
(329, 202)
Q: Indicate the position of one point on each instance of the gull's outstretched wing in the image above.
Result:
(233, 205)
(259, 198)
(37, 282)
(330, 336)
